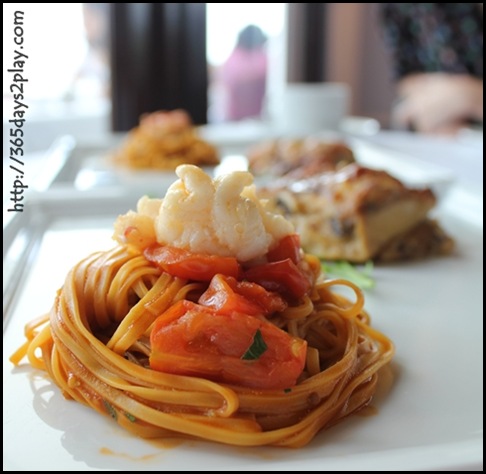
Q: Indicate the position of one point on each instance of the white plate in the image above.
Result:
(70, 166)
(412, 171)
(429, 418)
(87, 166)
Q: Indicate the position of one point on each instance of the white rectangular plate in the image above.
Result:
(411, 171)
(82, 167)
(429, 413)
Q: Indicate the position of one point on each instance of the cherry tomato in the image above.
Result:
(226, 295)
(189, 265)
(190, 339)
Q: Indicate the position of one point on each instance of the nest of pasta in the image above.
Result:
(244, 351)
(164, 140)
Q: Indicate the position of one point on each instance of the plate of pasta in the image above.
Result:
(203, 338)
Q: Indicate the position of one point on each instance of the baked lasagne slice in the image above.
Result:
(359, 214)
(298, 158)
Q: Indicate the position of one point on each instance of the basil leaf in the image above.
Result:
(110, 409)
(360, 277)
(257, 348)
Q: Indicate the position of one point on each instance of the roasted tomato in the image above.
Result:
(288, 247)
(189, 265)
(194, 340)
(226, 295)
(284, 277)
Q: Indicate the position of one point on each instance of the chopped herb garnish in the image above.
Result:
(257, 348)
(130, 417)
(287, 390)
(359, 276)
(110, 409)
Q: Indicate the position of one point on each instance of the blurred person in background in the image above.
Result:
(437, 56)
(244, 74)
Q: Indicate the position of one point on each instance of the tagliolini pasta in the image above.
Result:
(162, 141)
(240, 344)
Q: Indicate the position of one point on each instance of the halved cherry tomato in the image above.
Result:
(189, 265)
(190, 339)
(283, 277)
(226, 295)
(287, 247)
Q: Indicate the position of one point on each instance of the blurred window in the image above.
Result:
(67, 51)
(67, 68)
(78, 81)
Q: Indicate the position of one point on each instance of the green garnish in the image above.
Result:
(287, 390)
(110, 409)
(359, 276)
(257, 348)
(130, 417)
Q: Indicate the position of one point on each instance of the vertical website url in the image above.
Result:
(16, 128)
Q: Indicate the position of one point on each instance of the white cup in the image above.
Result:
(305, 108)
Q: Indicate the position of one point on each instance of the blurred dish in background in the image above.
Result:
(164, 140)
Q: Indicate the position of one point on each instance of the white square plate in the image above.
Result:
(429, 413)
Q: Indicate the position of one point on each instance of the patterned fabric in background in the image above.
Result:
(434, 37)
